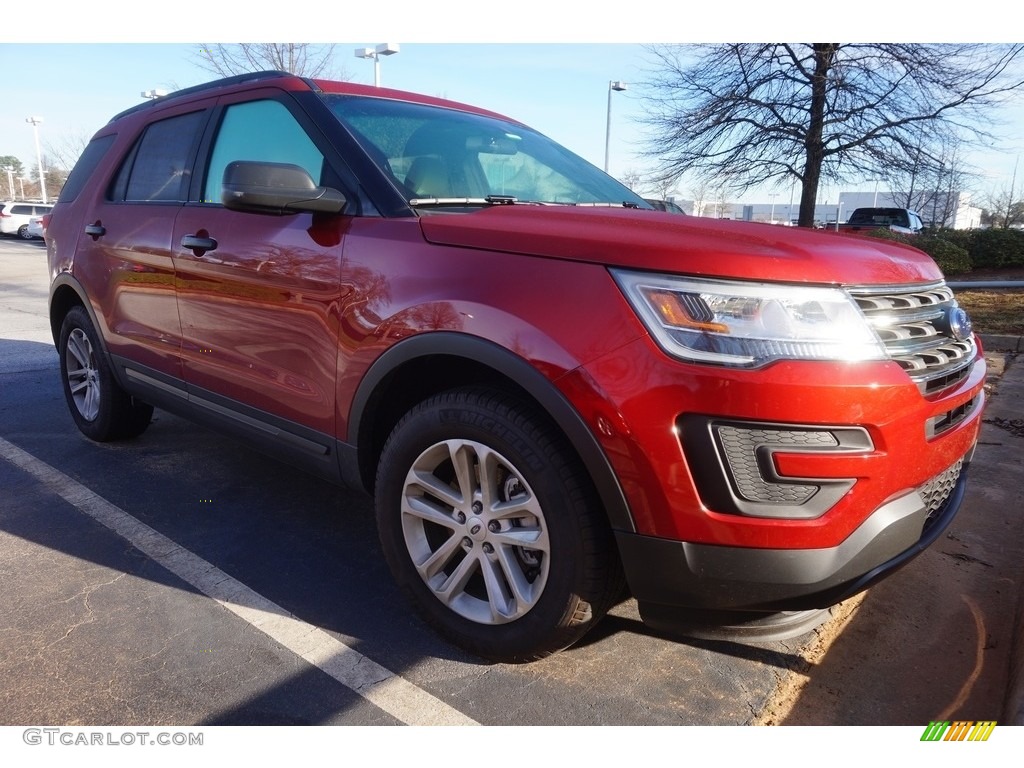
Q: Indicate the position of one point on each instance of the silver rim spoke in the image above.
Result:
(443, 555)
(82, 374)
(475, 532)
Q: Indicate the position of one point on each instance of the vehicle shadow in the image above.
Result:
(935, 641)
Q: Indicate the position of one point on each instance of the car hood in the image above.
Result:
(666, 242)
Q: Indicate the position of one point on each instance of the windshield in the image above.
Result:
(436, 156)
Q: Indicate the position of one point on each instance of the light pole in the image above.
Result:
(21, 182)
(39, 156)
(384, 49)
(771, 218)
(10, 178)
(613, 85)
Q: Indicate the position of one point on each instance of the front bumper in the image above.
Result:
(665, 575)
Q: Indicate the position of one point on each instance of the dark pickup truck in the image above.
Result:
(900, 220)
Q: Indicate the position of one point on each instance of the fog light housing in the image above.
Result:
(735, 472)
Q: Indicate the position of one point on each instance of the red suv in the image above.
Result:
(549, 387)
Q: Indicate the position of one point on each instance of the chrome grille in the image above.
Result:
(913, 325)
(937, 490)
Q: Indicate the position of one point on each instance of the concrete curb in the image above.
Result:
(1002, 343)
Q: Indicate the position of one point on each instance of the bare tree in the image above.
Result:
(65, 154)
(932, 184)
(754, 113)
(699, 192)
(664, 186)
(631, 179)
(303, 59)
(1004, 208)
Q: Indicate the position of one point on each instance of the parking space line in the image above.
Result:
(378, 685)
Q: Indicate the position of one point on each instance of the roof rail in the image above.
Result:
(245, 77)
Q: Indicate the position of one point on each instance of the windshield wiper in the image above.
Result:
(489, 200)
(421, 202)
(426, 202)
(623, 204)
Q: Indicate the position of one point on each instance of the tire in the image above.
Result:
(490, 524)
(101, 409)
(23, 232)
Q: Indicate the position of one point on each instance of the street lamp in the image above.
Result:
(613, 85)
(10, 178)
(384, 49)
(39, 156)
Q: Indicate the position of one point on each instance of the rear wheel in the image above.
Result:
(490, 524)
(23, 232)
(101, 409)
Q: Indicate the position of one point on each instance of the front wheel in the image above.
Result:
(101, 409)
(490, 524)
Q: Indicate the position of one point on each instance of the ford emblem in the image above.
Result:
(959, 324)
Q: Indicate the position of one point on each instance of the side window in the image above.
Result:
(159, 166)
(85, 166)
(263, 131)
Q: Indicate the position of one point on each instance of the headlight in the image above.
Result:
(749, 324)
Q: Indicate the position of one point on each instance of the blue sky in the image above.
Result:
(543, 63)
(560, 90)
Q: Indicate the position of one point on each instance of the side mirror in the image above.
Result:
(276, 188)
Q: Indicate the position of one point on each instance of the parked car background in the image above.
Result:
(15, 217)
(665, 205)
(35, 228)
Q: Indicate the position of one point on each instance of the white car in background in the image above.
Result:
(35, 228)
(15, 216)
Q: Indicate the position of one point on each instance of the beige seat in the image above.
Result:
(428, 177)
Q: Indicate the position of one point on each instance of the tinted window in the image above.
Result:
(85, 166)
(22, 210)
(263, 131)
(159, 166)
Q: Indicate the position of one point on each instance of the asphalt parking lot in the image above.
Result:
(181, 579)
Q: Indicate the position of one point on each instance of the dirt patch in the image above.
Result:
(994, 311)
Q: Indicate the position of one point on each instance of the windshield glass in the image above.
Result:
(436, 154)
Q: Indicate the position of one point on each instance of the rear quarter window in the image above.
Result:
(84, 168)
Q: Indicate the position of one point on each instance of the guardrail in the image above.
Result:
(962, 285)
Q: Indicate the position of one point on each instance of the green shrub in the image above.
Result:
(951, 258)
(959, 237)
(994, 248)
(884, 233)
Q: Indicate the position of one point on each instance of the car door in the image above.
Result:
(124, 247)
(258, 294)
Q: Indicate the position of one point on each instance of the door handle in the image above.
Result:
(198, 245)
(95, 231)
